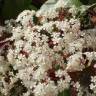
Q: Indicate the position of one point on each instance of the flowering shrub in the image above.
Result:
(48, 52)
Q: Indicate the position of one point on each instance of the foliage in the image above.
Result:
(88, 2)
(11, 8)
(65, 93)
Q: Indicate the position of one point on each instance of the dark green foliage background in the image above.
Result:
(88, 2)
(12, 7)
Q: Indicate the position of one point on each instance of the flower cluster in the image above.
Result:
(48, 53)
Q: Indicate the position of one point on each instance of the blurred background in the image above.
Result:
(11, 8)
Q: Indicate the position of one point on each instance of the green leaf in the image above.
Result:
(12, 8)
(32, 7)
(77, 3)
(65, 93)
(88, 2)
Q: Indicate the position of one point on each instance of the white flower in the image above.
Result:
(75, 25)
(25, 17)
(10, 56)
(37, 51)
(56, 38)
(63, 25)
(60, 73)
(77, 86)
(17, 33)
(74, 63)
(93, 84)
(76, 45)
(26, 75)
(47, 26)
(62, 85)
(19, 44)
(27, 48)
(39, 74)
(73, 10)
(46, 90)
